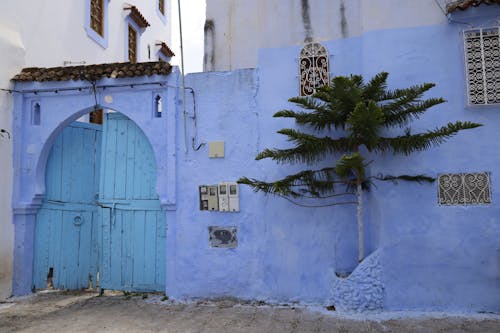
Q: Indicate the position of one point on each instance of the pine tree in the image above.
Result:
(347, 115)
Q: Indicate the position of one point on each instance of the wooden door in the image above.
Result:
(66, 233)
(132, 223)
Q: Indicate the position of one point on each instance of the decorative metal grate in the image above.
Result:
(464, 189)
(313, 68)
(225, 237)
(97, 16)
(482, 60)
(132, 44)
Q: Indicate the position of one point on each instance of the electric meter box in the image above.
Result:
(203, 190)
(223, 197)
(208, 197)
(234, 200)
(213, 201)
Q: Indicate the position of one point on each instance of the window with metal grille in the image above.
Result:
(96, 117)
(482, 62)
(314, 69)
(97, 16)
(132, 44)
(161, 6)
(464, 189)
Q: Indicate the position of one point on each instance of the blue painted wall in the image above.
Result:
(428, 257)
(432, 257)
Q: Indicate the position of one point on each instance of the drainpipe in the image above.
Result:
(183, 80)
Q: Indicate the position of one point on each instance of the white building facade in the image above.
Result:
(53, 33)
(236, 30)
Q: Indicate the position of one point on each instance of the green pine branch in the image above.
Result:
(375, 90)
(308, 148)
(402, 115)
(410, 143)
(318, 183)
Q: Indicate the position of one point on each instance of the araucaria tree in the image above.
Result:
(351, 117)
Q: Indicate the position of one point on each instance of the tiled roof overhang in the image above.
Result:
(93, 72)
(464, 4)
(165, 50)
(137, 17)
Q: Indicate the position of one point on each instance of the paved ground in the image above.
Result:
(85, 312)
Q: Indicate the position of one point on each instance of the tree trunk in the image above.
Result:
(361, 243)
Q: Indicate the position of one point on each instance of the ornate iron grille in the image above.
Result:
(464, 189)
(132, 44)
(482, 59)
(314, 68)
(97, 16)
(161, 6)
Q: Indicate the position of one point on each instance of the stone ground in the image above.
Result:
(86, 312)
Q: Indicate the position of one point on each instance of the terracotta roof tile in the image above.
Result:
(464, 4)
(138, 18)
(94, 72)
(165, 50)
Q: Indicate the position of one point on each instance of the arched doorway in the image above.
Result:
(101, 218)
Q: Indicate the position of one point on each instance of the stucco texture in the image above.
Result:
(430, 257)
(424, 256)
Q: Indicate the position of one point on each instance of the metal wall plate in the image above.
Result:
(223, 237)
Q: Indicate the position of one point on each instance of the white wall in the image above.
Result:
(242, 27)
(13, 56)
(51, 39)
(46, 33)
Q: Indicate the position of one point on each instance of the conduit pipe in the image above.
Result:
(183, 80)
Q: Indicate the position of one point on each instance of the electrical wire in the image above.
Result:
(318, 206)
(195, 117)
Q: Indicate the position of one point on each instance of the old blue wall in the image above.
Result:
(431, 256)
(427, 257)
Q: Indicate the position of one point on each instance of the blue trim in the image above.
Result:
(163, 17)
(103, 41)
(129, 21)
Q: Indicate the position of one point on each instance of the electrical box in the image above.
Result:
(203, 189)
(234, 200)
(213, 201)
(208, 197)
(216, 149)
(223, 197)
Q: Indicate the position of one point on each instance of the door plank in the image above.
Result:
(69, 179)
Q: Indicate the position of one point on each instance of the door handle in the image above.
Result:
(78, 220)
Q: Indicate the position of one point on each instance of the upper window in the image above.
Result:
(96, 21)
(160, 9)
(161, 6)
(97, 16)
(132, 44)
(482, 62)
(136, 23)
(313, 68)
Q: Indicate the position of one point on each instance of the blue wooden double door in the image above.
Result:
(101, 224)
